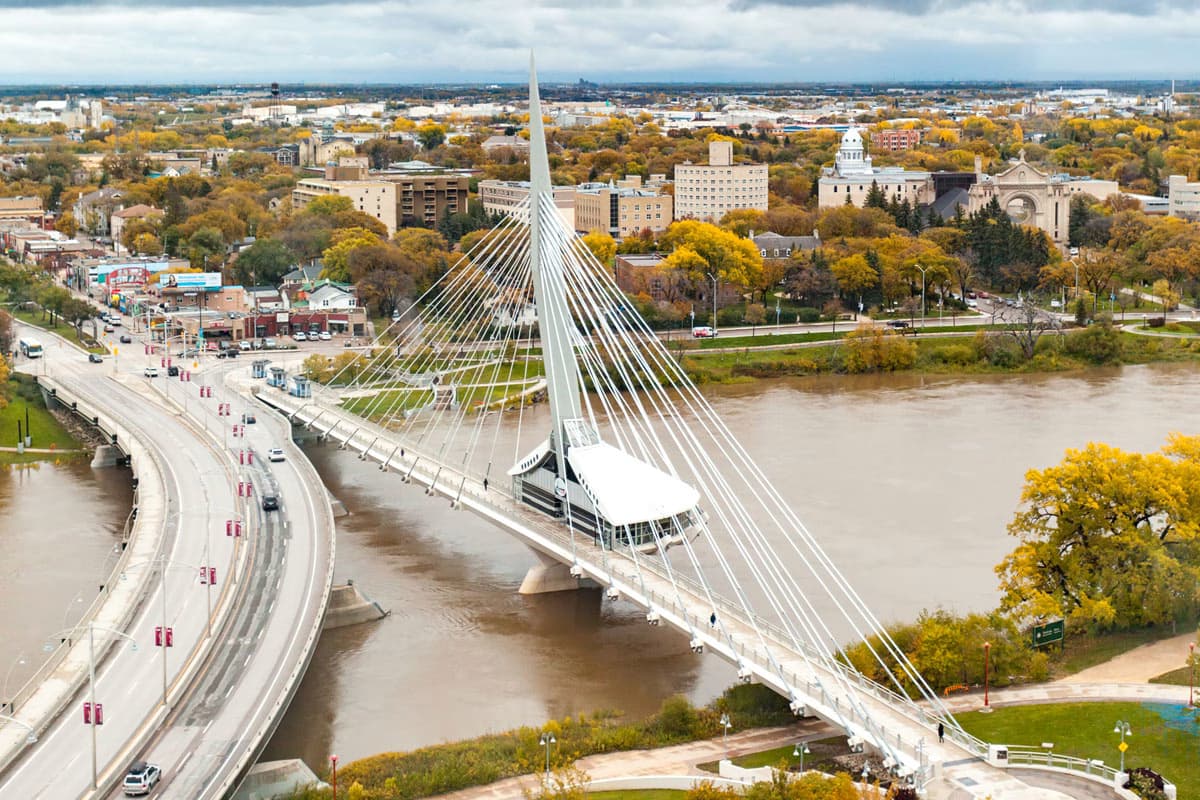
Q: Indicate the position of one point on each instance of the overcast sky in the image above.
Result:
(397, 41)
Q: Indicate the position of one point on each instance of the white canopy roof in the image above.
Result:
(627, 490)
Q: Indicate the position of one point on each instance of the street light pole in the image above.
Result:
(713, 278)
(333, 759)
(547, 740)
(801, 750)
(1192, 675)
(918, 266)
(726, 724)
(987, 657)
(1123, 729)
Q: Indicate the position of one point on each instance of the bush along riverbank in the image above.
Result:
(474, 762)
(875, 349)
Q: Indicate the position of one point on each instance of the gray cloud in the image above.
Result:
(1139, 8)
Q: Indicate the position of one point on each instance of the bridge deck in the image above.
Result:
(761, 650)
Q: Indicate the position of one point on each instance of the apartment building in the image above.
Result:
(709, 191)
(621, 211)
(376, 198)
(894, 140)
(426, 200)
(505, 197)
(1183, 197)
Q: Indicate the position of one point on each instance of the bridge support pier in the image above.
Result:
(550, 575)
(107, 455)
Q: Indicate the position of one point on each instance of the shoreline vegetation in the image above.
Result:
(870, 349)
(47, 432)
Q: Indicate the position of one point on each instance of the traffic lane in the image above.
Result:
(196, 768)
(143, 674)
(68, 739)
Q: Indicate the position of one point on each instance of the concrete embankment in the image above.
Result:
(270, 779)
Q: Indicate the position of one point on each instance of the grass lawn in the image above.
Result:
(1164, 738)
(821, 753)
(63, 329)
(640, 794)
(44, 428)
(1177, 677)
(1082, 652)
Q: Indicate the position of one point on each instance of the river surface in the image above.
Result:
(907, 481)
(59, 525)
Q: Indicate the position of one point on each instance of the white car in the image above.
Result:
(244, 346)
(325, 336)
(141, 779)
(299, 336)
(150, 372)
(275, 454)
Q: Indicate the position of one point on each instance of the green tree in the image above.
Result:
(431, 135)
(206, 248)
(263, 263)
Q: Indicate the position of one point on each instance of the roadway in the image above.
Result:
(221, 705)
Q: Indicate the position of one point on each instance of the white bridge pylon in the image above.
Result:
(625, 476)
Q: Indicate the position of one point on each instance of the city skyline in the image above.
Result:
(482, 41)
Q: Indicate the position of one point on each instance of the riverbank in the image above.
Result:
(49, 436)
(982, 352)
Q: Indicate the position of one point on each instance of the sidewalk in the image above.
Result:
(1140, 664)
(677, 760)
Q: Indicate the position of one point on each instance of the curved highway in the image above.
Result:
(224, 694)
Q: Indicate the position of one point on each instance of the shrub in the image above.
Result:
(872, 349)
(677, 719)
(957, 354)
(1156, 322)
(1097, 344)
(808, 315)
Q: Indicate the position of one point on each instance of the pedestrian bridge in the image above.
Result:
(584, 438)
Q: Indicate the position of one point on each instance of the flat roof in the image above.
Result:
(626, 489)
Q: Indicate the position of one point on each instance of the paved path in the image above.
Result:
(1070, 692)
(677, 760)
(1140, 664)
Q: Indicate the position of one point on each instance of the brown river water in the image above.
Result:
(908, 482)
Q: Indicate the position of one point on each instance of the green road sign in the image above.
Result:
(1048, 633)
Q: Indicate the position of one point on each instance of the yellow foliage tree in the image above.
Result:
(337, 256)
(602, 246)
(1108, 538)
(729, 257)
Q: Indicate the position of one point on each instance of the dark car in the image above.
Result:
(248, 419)
(270, 503)
(95, 358)
(126, 338)
(897, 323)
(173, 371)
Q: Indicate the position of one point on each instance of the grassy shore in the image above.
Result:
(972, 354)
(46, 431)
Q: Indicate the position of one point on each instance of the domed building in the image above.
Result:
(852, 175)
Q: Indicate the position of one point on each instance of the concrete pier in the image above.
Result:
(349, 606)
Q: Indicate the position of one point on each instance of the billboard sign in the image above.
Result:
(127, 278)
(191, 281)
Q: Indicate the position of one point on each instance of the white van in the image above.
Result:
(703, 332)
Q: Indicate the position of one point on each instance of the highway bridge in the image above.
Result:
(203, 708)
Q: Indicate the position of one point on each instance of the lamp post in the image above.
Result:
(713, 278)
(918, 266)
(164, 635)
(1191, 675)
(333, 760)
(1123, 729)
(726, 725)
(778, 311)
(547, 740)
(801, 750)
(31, 738)
(987, 657)
(6, 701)
(92, 715)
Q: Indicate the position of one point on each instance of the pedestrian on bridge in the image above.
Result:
(485, 484)
(941, 732)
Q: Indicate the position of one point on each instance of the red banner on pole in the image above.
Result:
(87, 713)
